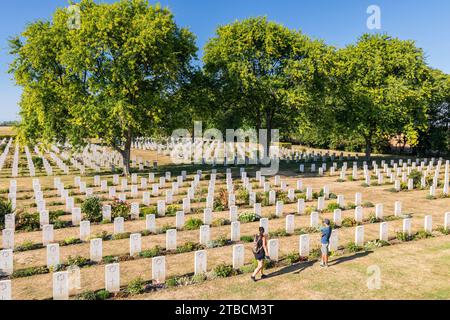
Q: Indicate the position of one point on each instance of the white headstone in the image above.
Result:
(52, 255)
(8, 239)
(5, 290)
(47, 234)
(204, 234)
(314, 220)
(407, 226)
(96, 250)
(398, 208)
(6, 262)
(264, 222)
(85, 230)
(150, 223)
(379, 211)
(200, 263)
(238, 256)
(384, 231)
(334, 241)
(273, 247)
(171, 239)
(161, 208)
(359, 235)
(279, 209)
(135, 244)
(290, 224)
(119, 225)
(428, 223)
(159, 269)
(44, 218)
(76, 216)
(301, 206)
(106, 212)
(337, 217)
(61, 285)
(235, 231)
(207, 216)
(304, 245)
(359, 214)
(112, 277)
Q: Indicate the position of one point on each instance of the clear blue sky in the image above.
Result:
(338, 22)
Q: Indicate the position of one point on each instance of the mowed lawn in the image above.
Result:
(414, 270)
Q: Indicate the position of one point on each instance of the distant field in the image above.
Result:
(7, 131)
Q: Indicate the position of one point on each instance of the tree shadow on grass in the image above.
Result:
(302, 266)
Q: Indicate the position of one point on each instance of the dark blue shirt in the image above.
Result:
(326, 234)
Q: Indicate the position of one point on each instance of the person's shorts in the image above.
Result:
(324, 249)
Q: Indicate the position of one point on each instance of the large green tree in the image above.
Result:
(381, 87)
(112, 77)
(436, 139)
(268, 75)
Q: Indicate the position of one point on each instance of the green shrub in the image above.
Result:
(5, 208)
(375, 244)
(27, 221)
(348, 222)
(422, 235)
(110, 259)
(172, 282)
(120, 209)
(353, 248)
(246, 217)
(121, 236)
(149, 210)
(219, 242)
(443, 230)
(136, 286)
(171, 210)
(151, 253)
(92, 209)
(28, 272)
(28, 245)
(331, 207)
(88, 295)
(242, 195)
(103, 295)
(220, 222)
(278, 233)
(247, 239)
(187, 247)
(315, 254)
(374, 219)
(193, 224)
(78, 261)
(368, 204)
(224, 271)
(199, 278)
(416, 175)
(292, 258)
(70, 241)
(167, 227)
(104, 235)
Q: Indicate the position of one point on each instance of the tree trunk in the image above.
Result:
(368, 147)
(126, 155)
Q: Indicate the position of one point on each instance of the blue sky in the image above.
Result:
(338, 22)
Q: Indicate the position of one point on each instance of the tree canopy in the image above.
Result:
(111, 78)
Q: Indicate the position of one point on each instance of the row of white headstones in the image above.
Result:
(175, 185)
(61, 287)
(161, 204)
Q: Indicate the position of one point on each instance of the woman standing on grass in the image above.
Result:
(260, 251)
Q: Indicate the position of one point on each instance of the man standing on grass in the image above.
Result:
(326, 234)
